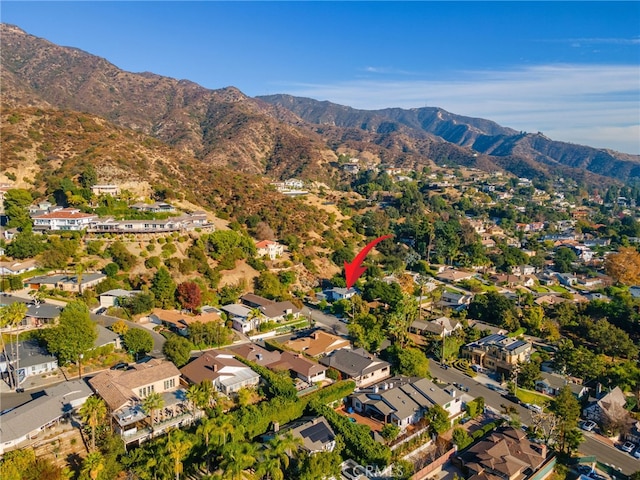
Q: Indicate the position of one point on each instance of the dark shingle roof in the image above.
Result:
(353, 363)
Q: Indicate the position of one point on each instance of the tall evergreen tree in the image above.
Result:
(163, 288)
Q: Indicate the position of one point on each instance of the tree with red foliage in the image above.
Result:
(189, 295)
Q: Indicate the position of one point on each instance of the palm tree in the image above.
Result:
(93, 413)
(236, 458)
(37, 295)
(93, 464)
(178, 446)
(206, 430)
(4, 322)
(224, 430)
(11, 316)
(151, 403)
(209, 393)
(193, 395)
(277, 456)
(253, 314)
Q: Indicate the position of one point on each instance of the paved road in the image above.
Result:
(158, 340)
(591, 445)
(330, 322)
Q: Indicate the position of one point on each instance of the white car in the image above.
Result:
(637, 453)
(589, 425)
(628, 447)
(533, 407)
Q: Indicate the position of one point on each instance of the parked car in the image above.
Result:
(637, 453)
(588, 425)
(628, 447)
(533, 407)
(120, 366)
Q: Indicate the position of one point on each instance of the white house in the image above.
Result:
(63, 219)
(110, 298)
(29, 360)
(268, 248)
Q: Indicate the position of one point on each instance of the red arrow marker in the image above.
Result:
(353, 270)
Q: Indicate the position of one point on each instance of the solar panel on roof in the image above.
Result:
(316, 433)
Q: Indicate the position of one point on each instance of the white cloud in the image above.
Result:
(596, 105)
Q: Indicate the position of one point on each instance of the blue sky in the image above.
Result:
(568, 69)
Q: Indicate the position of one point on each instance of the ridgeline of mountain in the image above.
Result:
(480, 135)
(280, 136)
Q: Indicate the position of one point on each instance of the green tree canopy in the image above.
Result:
(74, 335)
(16, 208)
(163, 288)
(138, 341)
(178, 350)
(567, 408)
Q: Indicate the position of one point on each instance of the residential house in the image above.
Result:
(504, 454)
(487, 327)
(317, 344)
(316, 434)
(63, 219)
(226, 373)
(567, 279)
(498, 353)
(280, 311)
(179, 322)
(268, 248)
(67, 283)
(403, 401)
(304, 369)
(270, 310)
(526, 269)
(155, 207)
(112, 190)
(589, 282)
(255, 353)
(28, 360)
(22, 425)
(455, 300)
(550, 299)
(513, 280)
(123, 391)
(442, 327)
(42, 208)
(17, 267)
(452, 275)
(112, 298)
(107, 337)
(359, 365)
(185, 222)
(351, 167)
(252, 300)
(242, 317)
(609, 406)
(338, 293)
(38, 313)
(552, 383)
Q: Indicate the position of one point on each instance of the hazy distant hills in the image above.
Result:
(279, 135)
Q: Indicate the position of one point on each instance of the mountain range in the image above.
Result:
(282, 136)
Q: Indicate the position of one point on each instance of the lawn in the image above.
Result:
(558, 289)
(527, 396)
